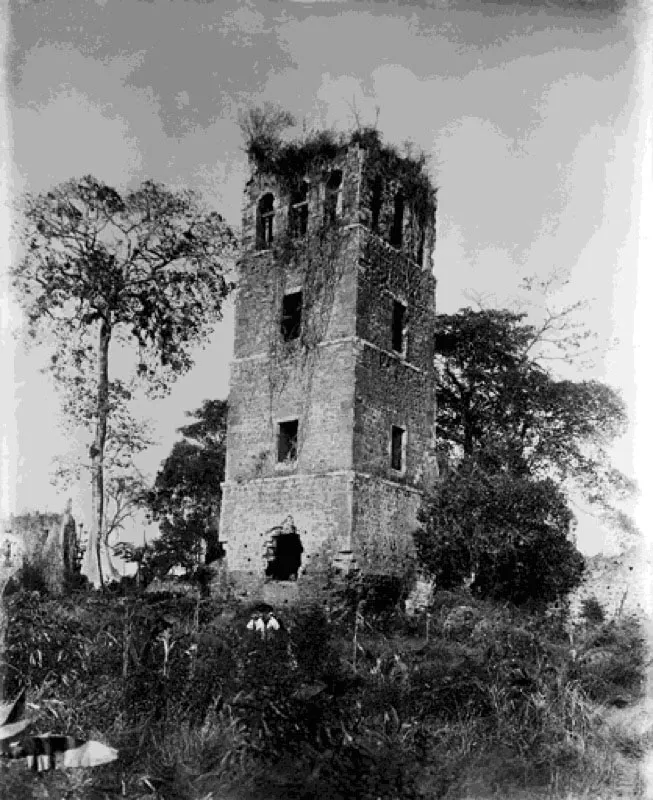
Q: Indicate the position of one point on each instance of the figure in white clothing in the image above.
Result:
(264, 624)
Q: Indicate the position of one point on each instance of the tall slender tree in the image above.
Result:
(145, 271)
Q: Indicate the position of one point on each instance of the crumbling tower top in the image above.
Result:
(357, 177)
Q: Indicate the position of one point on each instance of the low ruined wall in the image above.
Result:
(621, 582)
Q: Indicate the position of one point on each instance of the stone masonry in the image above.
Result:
(331, 406)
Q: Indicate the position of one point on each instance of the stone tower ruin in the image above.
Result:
(332, 402)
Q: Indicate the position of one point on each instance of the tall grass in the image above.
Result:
(494, 701)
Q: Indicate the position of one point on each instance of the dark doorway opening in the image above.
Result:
(285, 555)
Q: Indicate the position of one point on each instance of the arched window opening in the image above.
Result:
(377, 199)
(265, 221)
(397, 232)
(333, 197)
(298, 216)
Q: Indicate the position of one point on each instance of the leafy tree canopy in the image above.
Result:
(186, 496)
(146, 270)
(515, 441)
(499, 404)
(505, 535)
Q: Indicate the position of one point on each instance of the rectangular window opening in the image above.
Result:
(397, 448)
(287, 441)
(291, 316)
(397, 230)
(298, 220)
(265, 222)
(333, 197)
(399, 317)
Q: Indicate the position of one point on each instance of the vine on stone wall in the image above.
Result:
(407, 170)
(388, 269)
(317, 258)
(290, 161)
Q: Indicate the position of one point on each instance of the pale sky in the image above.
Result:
(535, 117)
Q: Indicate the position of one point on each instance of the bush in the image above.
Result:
(29, 578)
(506, 534)
(379, 597)
(183, 689)
(612, 661)
(592, 611)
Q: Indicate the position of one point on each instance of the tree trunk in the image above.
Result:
(93, 561)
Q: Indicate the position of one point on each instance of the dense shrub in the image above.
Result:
(29, 578)
(611, 667)
(330, 705)
(504, 533)
(591, 610)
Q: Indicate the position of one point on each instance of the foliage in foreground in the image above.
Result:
(339, 703)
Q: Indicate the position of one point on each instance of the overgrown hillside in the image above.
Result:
(356, 700)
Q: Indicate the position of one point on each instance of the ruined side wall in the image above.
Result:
(412, 227)
(389, 392)
(620, 582)
(321, 508)
(32, 530)
(384, 276)
(384, 519)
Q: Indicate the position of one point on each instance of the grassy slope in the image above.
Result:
(494, 704)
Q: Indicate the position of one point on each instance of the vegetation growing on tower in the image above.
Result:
(290, 161)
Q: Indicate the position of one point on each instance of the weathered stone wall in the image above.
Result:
(621, 582)
(343, 519)
(320, 506)
(391, 392)
(385, 276)
(32, 530)
(412, 232)
(12, 551)
(262, 282)
(320, 395)
(384, 519)
(350, 161)
(46, 541)
(346, 386)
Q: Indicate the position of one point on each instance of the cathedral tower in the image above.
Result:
(332, 403)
